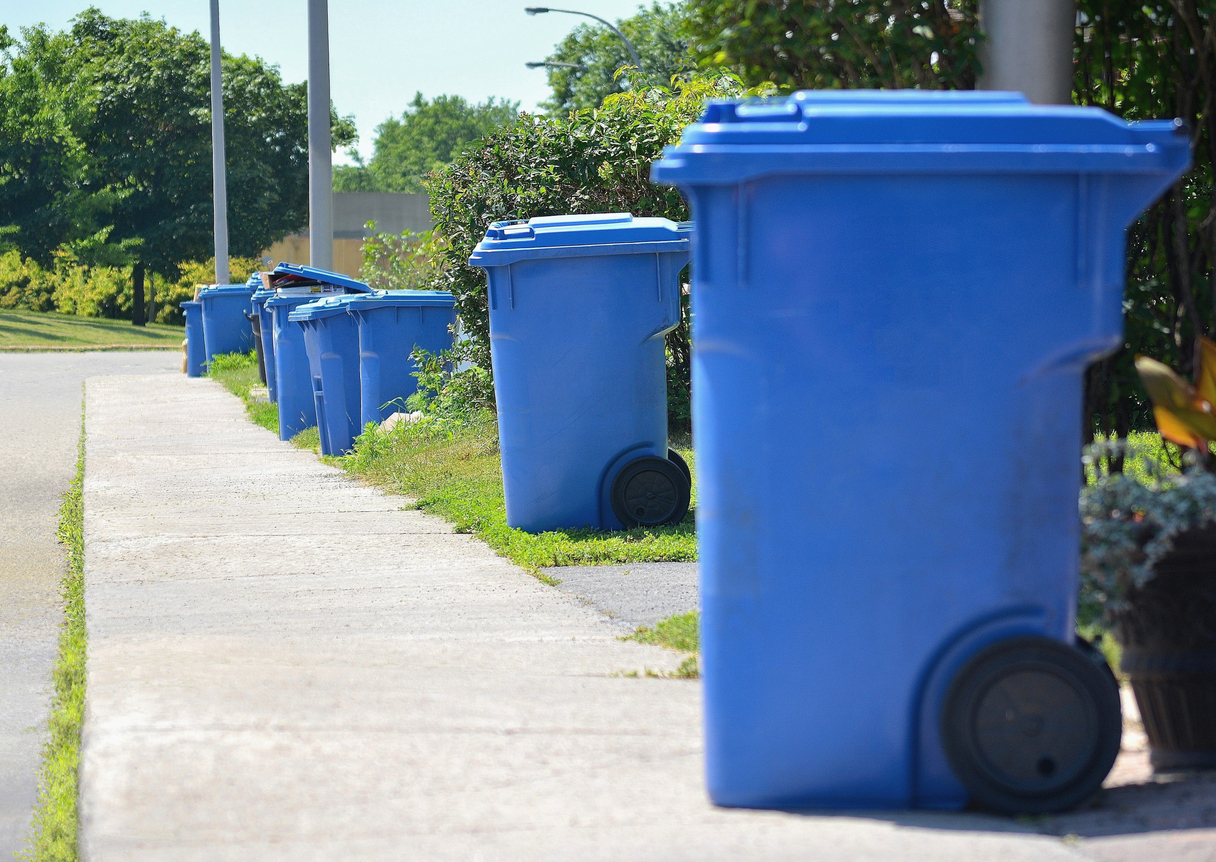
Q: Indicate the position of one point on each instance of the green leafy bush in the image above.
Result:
(589, 161)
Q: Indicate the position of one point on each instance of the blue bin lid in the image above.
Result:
(292, 272)
(842, 131)
(411, 298)
(190, 303)
(225, 290)
(261, 295)
(577, 236)
(319, 309)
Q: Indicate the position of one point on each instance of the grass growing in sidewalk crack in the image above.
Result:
(451, 469)
(53, 837)
(681, 633)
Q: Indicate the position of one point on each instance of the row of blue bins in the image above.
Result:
(895, 296)
(336, 353)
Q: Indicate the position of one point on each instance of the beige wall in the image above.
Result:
(348, 253)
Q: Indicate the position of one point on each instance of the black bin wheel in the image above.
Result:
(650, 491)
(1032, 726)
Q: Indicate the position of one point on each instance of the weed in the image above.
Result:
(680, 632)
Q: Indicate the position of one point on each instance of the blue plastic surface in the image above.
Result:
(895, 296)
(225, 327)
(196, 349)
(293, 380)
(301, 273)
(331, 338)
(579, 306)
(391, 324)
(266, 320)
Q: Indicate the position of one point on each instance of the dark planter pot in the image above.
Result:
(1168, 637)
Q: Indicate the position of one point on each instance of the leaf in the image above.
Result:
(1187, 417)
(1172, 428)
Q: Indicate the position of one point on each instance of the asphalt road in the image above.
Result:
(40, 403)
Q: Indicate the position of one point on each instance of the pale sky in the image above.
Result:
(380, 52)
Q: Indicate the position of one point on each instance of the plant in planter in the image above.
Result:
(1148, 562)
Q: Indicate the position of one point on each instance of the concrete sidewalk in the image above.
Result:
(284, 665)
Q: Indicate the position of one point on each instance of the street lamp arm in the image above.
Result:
(637, 61)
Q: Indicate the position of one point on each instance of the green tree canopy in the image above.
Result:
(656, 33)
(809, 44)
(429, 135)
(45, 194)
(112, 134)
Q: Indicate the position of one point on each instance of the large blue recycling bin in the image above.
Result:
(331, 339)
(226, 329)
(196, 350)
(296, 285)
(895, 297)
(579, 306)
(266, 334)
(391, 324)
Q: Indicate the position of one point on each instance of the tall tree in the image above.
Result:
(46, 197)
(429, 135)
(597, 54)
(136, 111)
(809, 44)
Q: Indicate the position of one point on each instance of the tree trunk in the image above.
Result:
(138, 309)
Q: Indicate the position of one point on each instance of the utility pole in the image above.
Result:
(219, 177)
(1029, 48)
(320, 155)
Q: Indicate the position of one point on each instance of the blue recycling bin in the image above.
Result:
(895, 297)
(579, 306)
(295, 285)
(293, 381)
(391, 324)
(331, 339)
(196, 350)
(266, 336)
(226, 329)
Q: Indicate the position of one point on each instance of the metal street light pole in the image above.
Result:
(320, 155)
(1029, 48)
(219, 179)
(540, 10)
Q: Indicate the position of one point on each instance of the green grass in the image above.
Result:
(238, 372)
(21, 330)
(53, 838)
(682, 633)
(453, 470)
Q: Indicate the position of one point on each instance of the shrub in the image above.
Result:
(406, 261)
(71, 287)
(589, 161)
